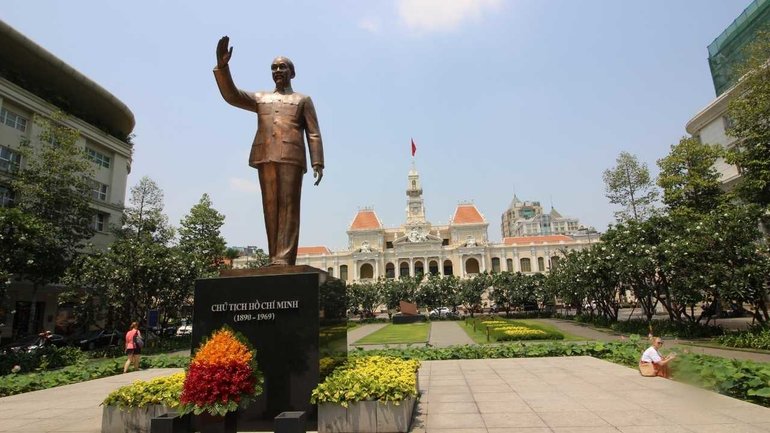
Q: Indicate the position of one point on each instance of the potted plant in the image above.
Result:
(368, 394)
(222, 377)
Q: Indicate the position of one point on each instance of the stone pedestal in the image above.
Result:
(295, 318)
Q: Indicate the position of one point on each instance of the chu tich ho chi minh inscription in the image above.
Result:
(256, 310)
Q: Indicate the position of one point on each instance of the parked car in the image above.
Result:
(98, 338)
(443, 312)
(439, 312)
(184, 330)
(33, 342)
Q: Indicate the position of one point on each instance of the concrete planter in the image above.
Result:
(137, 420)
(365, 417)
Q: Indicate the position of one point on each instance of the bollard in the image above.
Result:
(170, 422)
(487, 334)
(290, 422)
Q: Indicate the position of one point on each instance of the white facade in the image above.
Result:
(30, 79)
(111, 157)
(461, 248)
(710, 126)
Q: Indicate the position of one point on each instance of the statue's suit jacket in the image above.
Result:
(281, 120)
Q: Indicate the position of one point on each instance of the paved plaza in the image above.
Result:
(531, 395)
(566, 395)
(69, 408)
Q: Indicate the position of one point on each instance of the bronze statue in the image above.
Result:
(278, 151)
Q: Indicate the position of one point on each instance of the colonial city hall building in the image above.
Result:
(460, 248)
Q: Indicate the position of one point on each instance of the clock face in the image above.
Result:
(414, 235)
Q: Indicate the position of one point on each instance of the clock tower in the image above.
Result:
(415, 206)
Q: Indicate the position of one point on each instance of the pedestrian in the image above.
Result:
(653, 363)
(134, 345)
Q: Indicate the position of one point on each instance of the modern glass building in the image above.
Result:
(728, 48)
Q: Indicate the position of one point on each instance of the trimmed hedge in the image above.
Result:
(666, 328)
(757, 337)
(80, 372)
(44, 358)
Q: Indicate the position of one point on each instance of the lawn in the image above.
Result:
(398, 334)
(479, 336)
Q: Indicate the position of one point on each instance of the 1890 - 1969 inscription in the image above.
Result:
(247, 311)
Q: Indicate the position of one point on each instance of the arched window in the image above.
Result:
(471, 266)
(555, 261)
(330, 271)
(344, 272)
(509, 265)
(433, 267)
(448, 267)
(525, 265)
(495, 264)
(540, 264)
(366, 272)
(390, 270)
(403, 269)
(419, 269)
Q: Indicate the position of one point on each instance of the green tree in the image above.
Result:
(688, 177)
(259, 259)
(501, 293)
(629, 185)
(472, 290)
(635, 250)
(144, 218)
(199, 235)
(402, 289)
(749, 112)
(439, 291)
(140, 271)
(53, 197)
(232, 253)
(364, 297)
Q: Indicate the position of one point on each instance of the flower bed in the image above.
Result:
(132, 407)
(368, 394)
(510, 330)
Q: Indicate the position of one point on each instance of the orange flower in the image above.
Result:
(223, 348)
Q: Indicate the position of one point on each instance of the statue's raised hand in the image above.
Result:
(223, 53)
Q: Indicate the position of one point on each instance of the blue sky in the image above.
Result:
(533, 96)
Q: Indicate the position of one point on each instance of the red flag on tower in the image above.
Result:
(414, 148)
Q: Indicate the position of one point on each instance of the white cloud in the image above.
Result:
(442, 15)
(243, 185)
(371, 25)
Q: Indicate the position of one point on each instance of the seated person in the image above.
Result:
(652, 363)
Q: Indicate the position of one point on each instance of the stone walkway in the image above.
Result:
(566, 395)
(442, 334)
(362, 331)
(446, 333)
(69, 408)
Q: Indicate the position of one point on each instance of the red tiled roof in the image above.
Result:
(467, 214)
(545, 239)
(312, 250)
(365, 220)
